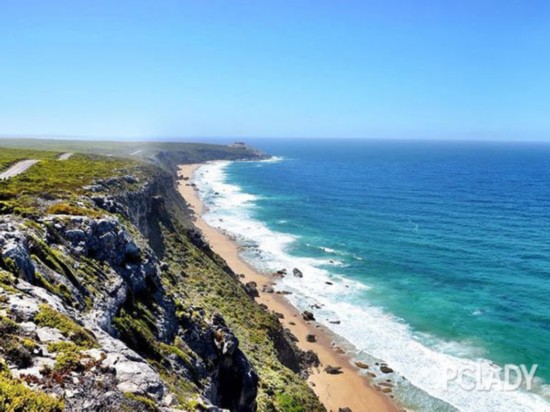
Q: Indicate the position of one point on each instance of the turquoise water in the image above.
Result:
(439, 253)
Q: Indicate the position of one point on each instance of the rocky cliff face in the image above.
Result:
(126, 307)
(62, 254)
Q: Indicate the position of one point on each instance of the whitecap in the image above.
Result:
(272, 159)
(422, 359)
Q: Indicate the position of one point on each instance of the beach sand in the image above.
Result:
(348, 389)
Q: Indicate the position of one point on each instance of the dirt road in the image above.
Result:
(17, 168)
(65, 156)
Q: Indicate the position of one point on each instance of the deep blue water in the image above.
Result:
(450, 239)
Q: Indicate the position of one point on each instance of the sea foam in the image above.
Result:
(422, 359)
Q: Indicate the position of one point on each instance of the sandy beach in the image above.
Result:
(348, 389)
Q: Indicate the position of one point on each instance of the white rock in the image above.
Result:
(47, 334)
(137, 377)
(26, 307)
(28, 327)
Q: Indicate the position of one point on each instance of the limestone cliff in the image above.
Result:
(110, 299)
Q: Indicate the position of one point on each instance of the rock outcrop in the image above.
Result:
(129, 268)
(113, 309)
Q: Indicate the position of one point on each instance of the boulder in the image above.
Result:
(47, 334)
(361, 365)
(135, 377)
(310, 359)
(288, 334)
(23, 307)
(132, 251)
(251, 289)
(307, 315)
(333, 370)
(130, 179)
(311, 338)
(385, 368)
(297, 272)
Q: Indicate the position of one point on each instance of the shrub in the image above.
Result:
(137, 334)
(68, 209)
(15, 350)
(62, 346)
(51, 318)
(8, 281)
(7, 326)
(16, 353)
(15, 396)
(145, 402)
(68, 361)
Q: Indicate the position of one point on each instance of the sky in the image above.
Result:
(197, 68)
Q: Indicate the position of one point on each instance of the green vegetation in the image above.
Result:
(164, 154)
(10, 156)
(195, 277)
(205, 284)
(54, 180)
(143, 401)
(42, 254)
(15, 396)
(63, 346)
(138, 333)
(69, 328)
(68, 361)
(68, 357)
(14, 348)
(7, 326)
(7, 281)
(69, 209)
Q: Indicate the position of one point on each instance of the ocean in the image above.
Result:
(438, 254)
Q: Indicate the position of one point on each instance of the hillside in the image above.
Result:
(111, 300)
(163, 154)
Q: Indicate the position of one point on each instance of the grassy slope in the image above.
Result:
(52, 180)
(169, 153)
(9, 156)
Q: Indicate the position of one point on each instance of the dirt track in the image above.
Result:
(17, 168)
(65, 156)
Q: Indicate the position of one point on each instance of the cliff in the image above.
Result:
(110, 299)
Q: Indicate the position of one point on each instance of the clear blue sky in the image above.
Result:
(130, 68)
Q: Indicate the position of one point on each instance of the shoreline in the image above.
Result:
(347, 389)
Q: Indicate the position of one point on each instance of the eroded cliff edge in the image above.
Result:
(110, 299)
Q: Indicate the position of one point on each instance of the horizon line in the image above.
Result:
(196, 139)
